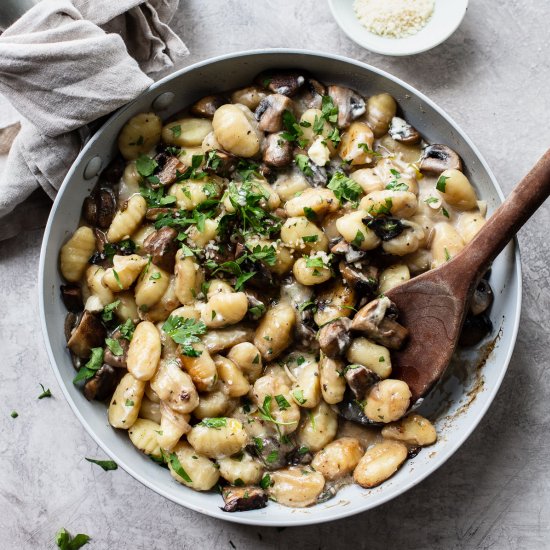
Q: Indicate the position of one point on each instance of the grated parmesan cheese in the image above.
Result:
(393, 18)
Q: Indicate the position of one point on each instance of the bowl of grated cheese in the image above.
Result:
(398, 27)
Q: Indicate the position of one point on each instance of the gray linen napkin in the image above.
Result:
(64, 64)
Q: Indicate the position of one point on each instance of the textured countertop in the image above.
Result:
(492, 77)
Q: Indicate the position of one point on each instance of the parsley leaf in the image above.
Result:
(344, 188)
(64, 540)
(45, 392)
(178, 468)
(156, 198)
(105, 464)
(441, 183)
(145, 166)
(176, 130)
(265, 413)
(215, 423)
(431, 200)
(302, 161)
(299, 396)
(127, 329)
(114, 346)
(359, 238)
(316, 261)
(185, 332)
(329, 109)
(91, 367)
(310, 214)
(107, 314)
(282, 402)
(292, 129)
(265, 482)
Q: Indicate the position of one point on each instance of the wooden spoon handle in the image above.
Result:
(511, 215)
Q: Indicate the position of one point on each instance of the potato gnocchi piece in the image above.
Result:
(202, 368)
(333, 384)
(139, 135)
(94, 280)
(149, 410)
(151, 286)
(373, 356)
(186, 132)
(241, 469)
(236, 130)
(174, 386)
(124, 272)
(249, 360)
(356, 144)
(318, 428)
(320, 201)
(274, 333)
(126, 402)
(301, 234)
(354, 230)
(217, 437)
(224, 309)
(75, 253)
(379, 463)
(234, 381)
(296, 486)
(214, 404)
(144, 351)
(338, 459)
(387, 401)
(334, 301)
(381, 109)
(127, 220)
(144, 435)
(306, 391)
(413, 429)
(192, 469)
(173, 426)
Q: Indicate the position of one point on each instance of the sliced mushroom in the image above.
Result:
(351, 254)
(312, 94)
(89, 333)
(117, 361)
(206, 107)
(372, 320)
(350, 104)
(171, 166)
(162, 246)
(360, 379)
(351, 409)
(285, 83)
(276, 450)
(438, 158)
(335, 337)
(256, 308)
(386, 228)
(317, 175)
(71, 321)
(224, 163)
(99, 207)
(277, 151)
(305, 338)
(241, 499)
(102, 385)
(361, 277)
(72, 297)
(482, 298)
(475, 329)
(153, 213)
(401, 130)
(269, 113)
(300, 456)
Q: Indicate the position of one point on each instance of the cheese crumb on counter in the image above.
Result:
(393, 18)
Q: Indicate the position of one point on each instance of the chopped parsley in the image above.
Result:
(129, 403)
(282, 402)
(302, 162)
(176, 130)
(444, 212)
(447, 255)
(328, 109)
(272, 457)
(215, 423)
(344, 188)
(265, 413)
(441, 183)
(156, 198)
(395, 184)
(293, 132)
(317, 261)
(369, 151)
(178, 468)
(381, 209)
(358, 239)
(65, 541)
(127, 329)
(145, 166)
(114, 345)
(431, 200)
(185, 332)
(105, 464)
(45, 392)
(310, 214)
(299, 396)
(265, 482)
(107, 314)
(91, 367)
(310, 238)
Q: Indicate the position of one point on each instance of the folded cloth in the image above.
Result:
(66, 63)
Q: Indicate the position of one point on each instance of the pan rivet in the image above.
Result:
(92, 168)
(163, 101)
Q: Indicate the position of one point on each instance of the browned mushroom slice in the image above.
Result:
(305, 338)
(335, 337)
(402, 131)
(162, 246)
(363, 278)
(89, 333)
(476, 327)
(72, 297)
(372, 320)
(285, 83)
(482, 298)
(117, 361)
(153, 213)
(113, 171)
(271, 451)
(350, 104)
(351, 254)
(221, 163)
(169, 172)
(102, 385)
(277, 151)
(99, 207)
(312, 95)
(206, 107)
(360, 379)
(438, 158)
(241, 499)
(269, 113)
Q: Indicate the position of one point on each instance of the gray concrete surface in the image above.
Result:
(493, 77)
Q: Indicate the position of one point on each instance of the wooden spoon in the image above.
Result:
(433, 305)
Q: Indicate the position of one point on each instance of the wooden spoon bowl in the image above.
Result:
(433, 305)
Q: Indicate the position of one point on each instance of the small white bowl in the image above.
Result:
(446, 18)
